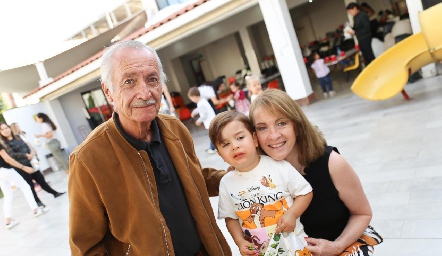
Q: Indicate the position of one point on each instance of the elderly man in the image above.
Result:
(136, 186)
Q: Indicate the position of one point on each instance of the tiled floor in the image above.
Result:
(394, 146)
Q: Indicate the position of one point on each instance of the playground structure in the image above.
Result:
(388, 74)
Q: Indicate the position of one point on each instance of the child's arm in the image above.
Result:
(287, 222)
(235, 230)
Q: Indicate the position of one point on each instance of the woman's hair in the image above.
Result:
(222, 119)
(12, 133)
(5, 147)
(107, 61)
(46, 119)
(310, 141)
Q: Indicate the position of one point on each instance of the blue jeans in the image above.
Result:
(326, 80)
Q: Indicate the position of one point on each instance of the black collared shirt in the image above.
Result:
(172, 200)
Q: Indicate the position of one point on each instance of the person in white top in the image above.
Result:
(323, 74)
(262, 197)
(48, 128)
(8, 177)
(208, 91)
(205, 111)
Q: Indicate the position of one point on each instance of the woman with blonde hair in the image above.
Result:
(338, 218)
(9, 177)
(52, 143)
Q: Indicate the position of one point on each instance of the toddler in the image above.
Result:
(262, 199)
(205, 111)
(254, 86)
(242, 104)
(323, 74)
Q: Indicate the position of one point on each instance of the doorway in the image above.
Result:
(195, 63)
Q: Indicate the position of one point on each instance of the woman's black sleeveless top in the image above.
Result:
(327, 215)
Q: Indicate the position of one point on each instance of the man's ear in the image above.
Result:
(107, 92)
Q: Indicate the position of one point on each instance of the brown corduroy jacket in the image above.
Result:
(114, 208)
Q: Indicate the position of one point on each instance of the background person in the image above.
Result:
(205, 112)
(166, 102)
(254, 86)
(322, 72)
(23, 154)
(374, 23)
(338, 218)
(208, 91)
(362, 29)
(9, 177)
(241, 103)
(52, 143)
(136, 185)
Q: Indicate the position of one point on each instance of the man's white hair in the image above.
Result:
(106, 61)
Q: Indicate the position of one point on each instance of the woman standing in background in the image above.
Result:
(52, 143)
(8, 177)
(21, 152)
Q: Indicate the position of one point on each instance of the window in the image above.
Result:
(97, 109)
(164, 3)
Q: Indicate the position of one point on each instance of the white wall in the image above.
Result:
(225, 56)
(72, 104)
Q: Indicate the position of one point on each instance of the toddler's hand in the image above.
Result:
(247, 248)
(286, 223)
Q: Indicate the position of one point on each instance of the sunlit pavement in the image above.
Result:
(394, 146)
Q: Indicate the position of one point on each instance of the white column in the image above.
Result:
(94, 30)
(114, 19)
(414, 7)
(250, 52)
(286, 48)
(110, 24)
(128, 12)
(44, 79)
(64, 130)
(150, 7)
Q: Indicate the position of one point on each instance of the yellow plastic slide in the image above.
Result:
(388, 74)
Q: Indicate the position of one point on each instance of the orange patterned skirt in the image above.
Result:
(364, 245)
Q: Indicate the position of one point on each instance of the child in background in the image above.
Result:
(262, 197)
(242, 104)
(322, 72)
(254, 86)
(205, 111)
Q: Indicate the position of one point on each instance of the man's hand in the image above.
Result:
(322, 247)
(198, 123)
